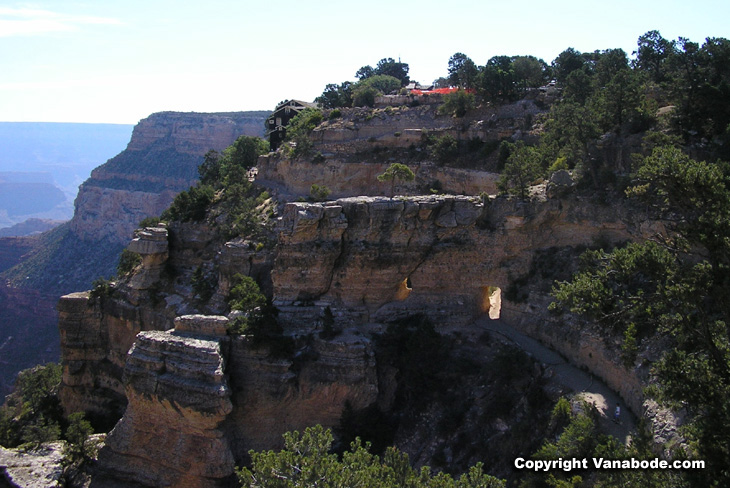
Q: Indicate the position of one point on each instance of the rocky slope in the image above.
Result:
(160, 160)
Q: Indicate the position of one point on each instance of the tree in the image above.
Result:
(529, 71)
(365, 91)
(396, 69)
(395, 172)
(578, 87)
(497, 80)
(463, 71)
(244, 152)
(675, 287)
(567, 62)
(32, 413)
(209, 171)
(79, 446)
(522, 168)
(365, 72)
(128, 260)
(620, 102)
(300, 127)
(569, 132)
(306, 460)
(652, 54)
(245, 294)
(387, 67)
(335, 96)
(610, 62)
(457, 103)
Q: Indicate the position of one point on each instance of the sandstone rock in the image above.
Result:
(32, 469)
(560, 183)
(202, 325)
(172, 431)
(112, 202)
(151, 240)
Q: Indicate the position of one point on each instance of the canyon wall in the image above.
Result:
(370, 260)
(160, 160)
(350, 151)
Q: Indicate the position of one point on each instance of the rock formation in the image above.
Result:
(450, 257)
(160, 160)
(350, 149)
(191, 400)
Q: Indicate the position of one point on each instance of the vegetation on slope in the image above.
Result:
(306, 460)
(675, 287)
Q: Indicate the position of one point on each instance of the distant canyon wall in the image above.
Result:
(160, 160)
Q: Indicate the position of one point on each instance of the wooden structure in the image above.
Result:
(283, 113)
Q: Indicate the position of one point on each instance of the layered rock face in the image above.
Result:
(379, 258)
(449, 257)
(344, 144)
(160, 160)
(198, 400)
(172, 431)
(376, 259)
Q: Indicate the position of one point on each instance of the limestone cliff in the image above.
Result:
(152, 351)
(160, 160)
(354, 148)
(450, 257)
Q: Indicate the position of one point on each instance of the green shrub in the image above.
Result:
(306, 460)
(149, 222)
(203, 285)
(100, 288)
(319, 193)
(300, 127)
(79, 447)
(245, 294)
(444, 149)
(457, 103)
(190, 205)
(128, 260)
(365, 91)
(32, 413)
(365, 96)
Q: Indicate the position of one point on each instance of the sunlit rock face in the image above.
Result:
(160, 160)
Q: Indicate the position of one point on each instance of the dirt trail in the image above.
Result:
(585, 384)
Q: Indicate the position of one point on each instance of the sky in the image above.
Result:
(118, 61)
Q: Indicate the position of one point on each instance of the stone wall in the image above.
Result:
(450, 248)
(348, 179)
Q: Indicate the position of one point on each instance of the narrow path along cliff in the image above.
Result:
(582, 383)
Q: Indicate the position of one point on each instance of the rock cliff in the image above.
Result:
(354, 148)
(154, 353)
(452, 258)
(160, 160)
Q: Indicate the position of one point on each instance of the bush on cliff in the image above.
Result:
(299, 129)
(32, 413)
(190, 205)
(128, 260)
(306, 460)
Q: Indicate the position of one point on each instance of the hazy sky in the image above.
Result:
(119, 61)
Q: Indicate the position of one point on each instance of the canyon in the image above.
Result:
(184, 399)
(160, 160)
(155, 362)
